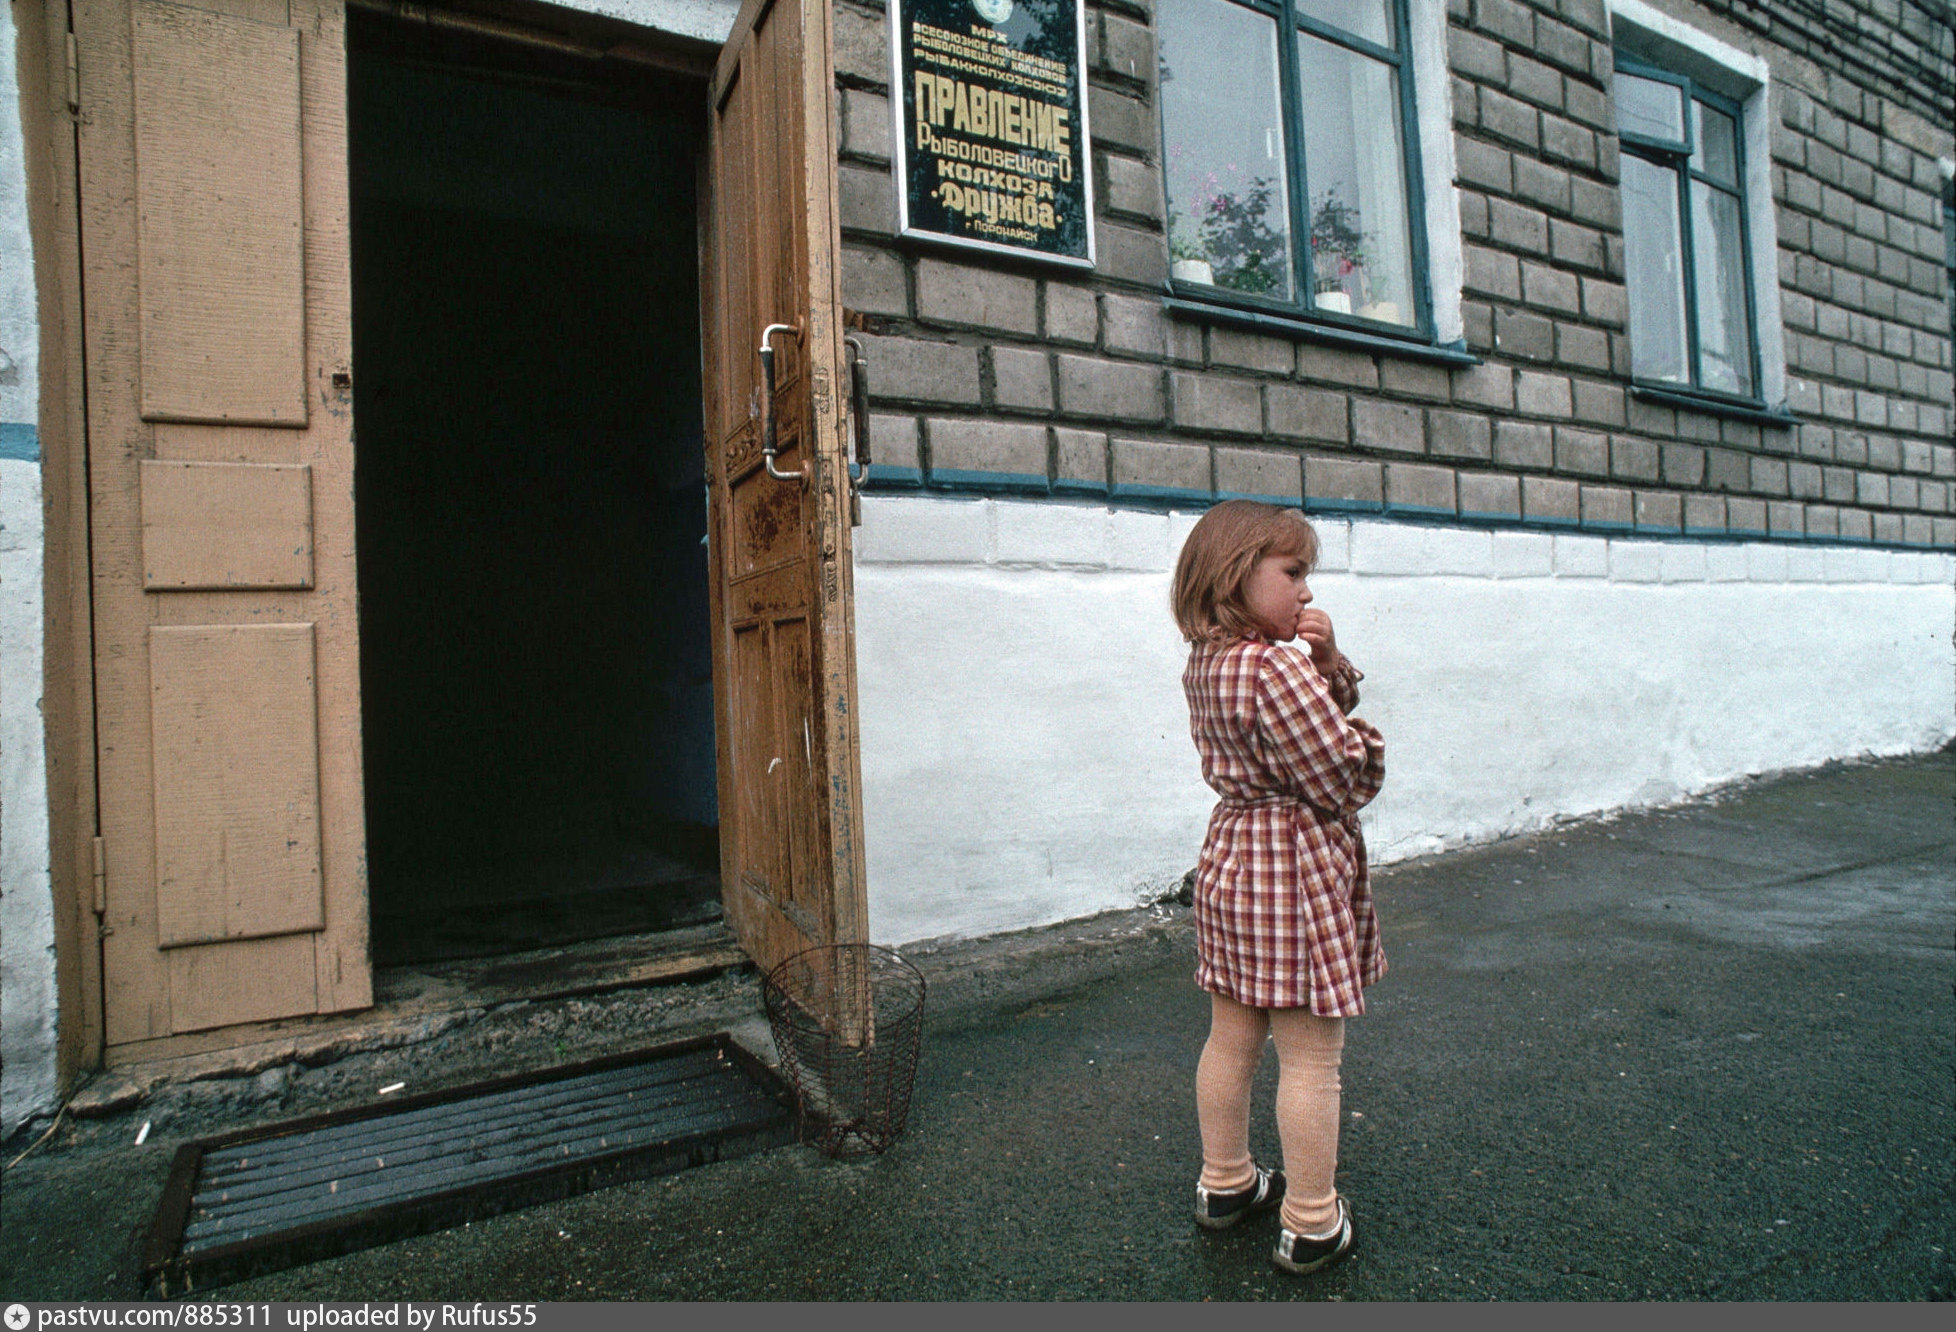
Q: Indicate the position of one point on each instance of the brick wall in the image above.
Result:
(1863, 283)
(993, 376)
(1899, 49)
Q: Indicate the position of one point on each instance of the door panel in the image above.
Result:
(213, 184)
(220, 985)
(237, 782)
(783, 619)
(221, 271)
(767, 522)
(226, 525)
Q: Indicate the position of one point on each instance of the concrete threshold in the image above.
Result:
(446, 1024)
(414, 1004)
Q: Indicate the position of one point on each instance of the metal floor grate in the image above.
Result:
(274, 1197)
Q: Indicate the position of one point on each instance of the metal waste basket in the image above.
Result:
(847, 1020)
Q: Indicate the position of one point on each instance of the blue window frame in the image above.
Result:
(1949, 246)
(1291, 160)
(1687, 255)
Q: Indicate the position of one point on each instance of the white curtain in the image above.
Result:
(1379, 154)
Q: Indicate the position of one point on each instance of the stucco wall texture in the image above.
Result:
(1025, 744)
(27, 995)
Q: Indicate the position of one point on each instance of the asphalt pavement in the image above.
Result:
(1699, 1053)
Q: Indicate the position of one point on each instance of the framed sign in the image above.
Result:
(991, 136)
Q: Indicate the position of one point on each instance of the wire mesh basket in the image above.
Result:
(848, 1020)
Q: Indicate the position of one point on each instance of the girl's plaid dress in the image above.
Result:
(1283, 903)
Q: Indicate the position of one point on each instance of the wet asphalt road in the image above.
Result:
(1699, 1054)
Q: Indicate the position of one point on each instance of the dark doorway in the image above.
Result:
(535, 664)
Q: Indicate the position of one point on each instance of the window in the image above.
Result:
(1687, 262)
(1949, 246)
(1292, 177)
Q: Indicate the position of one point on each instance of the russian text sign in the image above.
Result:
(991, 137)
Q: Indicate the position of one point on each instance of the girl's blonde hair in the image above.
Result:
(1217, 558)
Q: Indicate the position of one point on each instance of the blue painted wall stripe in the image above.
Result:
(953, 478)
(1072, 486)
(1162, 494)
(19, 442)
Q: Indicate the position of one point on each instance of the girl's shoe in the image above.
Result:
(1307, 1253)
(1216, 1210)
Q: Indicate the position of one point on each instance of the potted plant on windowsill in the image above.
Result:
(1246, 252)
(1188, 259)
(1337, 253)
(1225, 240)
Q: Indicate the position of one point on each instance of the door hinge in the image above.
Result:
(74, 75)
(101, 878)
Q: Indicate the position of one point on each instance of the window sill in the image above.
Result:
(1302, 330)
(1711, 405)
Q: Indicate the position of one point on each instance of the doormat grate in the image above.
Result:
(247, 1203)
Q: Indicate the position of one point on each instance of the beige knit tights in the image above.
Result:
(1309, 1048)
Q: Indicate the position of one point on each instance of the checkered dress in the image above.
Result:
(1283, 903)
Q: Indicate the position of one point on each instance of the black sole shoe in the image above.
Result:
(1215, 1210)
(1301, 1253)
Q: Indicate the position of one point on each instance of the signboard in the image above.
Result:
(991, 136)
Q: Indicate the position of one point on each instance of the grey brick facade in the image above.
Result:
(1133, 401)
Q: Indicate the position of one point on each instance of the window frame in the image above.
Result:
(1949, 247)
(1302, 308)
(1673, 156)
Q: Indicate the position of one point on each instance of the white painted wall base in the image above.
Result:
(27, 992)
(1025, 745)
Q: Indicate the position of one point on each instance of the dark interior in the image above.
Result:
(535, 668)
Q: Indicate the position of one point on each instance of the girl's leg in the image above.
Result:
(1222, 1092)
(1309, 1049)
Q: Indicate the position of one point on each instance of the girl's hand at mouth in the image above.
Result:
(1314, 628)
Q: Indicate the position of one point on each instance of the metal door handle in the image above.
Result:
(859, 400)
(859, 422)
(767, 404)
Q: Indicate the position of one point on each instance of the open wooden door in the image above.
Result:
(229, 874)
(783, 619)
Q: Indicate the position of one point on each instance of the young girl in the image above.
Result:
(1284, 928)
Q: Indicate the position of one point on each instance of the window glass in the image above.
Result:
(1228, 202)
(1654, 272)
(1684, 228)
(1718, 263)
(1650, 108)
(1355, 167)
(1717, 148)
(1290, 178)
(1370, 19)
